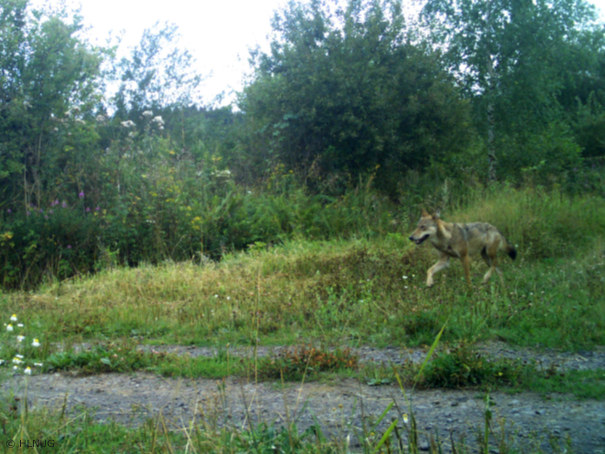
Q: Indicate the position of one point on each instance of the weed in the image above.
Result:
(463, 367)
(100, 359)
(294, 364)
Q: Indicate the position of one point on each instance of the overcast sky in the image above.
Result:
(218, 33)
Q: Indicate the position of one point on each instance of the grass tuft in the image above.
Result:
(306, 362)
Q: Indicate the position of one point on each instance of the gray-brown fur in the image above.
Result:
(461, 241)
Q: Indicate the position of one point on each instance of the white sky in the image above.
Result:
(218, 33)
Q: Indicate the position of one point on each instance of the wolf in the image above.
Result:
(461, 241)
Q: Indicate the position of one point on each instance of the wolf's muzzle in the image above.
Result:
(419, 240)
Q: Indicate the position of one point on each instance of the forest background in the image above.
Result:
(350, 123)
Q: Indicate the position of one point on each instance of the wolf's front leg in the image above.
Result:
(443, 262)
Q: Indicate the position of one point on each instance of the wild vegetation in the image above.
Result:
(141, 216)
(351, 106)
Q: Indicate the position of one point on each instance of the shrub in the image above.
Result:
(464, 367)
(57, 241)
(295, 363)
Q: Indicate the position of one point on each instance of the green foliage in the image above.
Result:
(541, 223)
(20, 350)
(168, 210)
(48, 90)
(463, 367)
(346, 107)
(156, 74)
(53, 242)
(366, 290)
(344, 94)
(276, 213)
(518, 63)
(217, 367)
(56, 430)
(299, 363)
(99, 360)
(585, 384)
(589, 126)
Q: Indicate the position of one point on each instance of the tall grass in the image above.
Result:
(62, 431)
(545, 224)
(176, 217)
(332, 291)
(361, 291)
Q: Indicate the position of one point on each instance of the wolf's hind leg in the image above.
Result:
(490, 272)
(490, 255)
(493, 266)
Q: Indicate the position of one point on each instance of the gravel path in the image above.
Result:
(341, 408)
(494, 350)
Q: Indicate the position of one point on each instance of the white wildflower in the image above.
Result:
(9, 327)
(27, 370)
(128, 124)
(147, 113)
(14, 318)
(226, 173)
(38, 364)
(20, 338)
(17, 360)
(36, 342)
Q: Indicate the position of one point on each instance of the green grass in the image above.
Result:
(68, 432)
(583, 384)
(334, 293)
(56, 431)
(365, 291)
(462, 368)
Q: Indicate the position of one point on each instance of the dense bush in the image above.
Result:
(170, 217)
(56, 241)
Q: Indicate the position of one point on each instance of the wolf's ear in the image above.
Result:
(437, 215)
(425, 213)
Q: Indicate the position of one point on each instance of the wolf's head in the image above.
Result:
(427, 227)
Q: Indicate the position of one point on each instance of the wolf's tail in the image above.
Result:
(510, 250)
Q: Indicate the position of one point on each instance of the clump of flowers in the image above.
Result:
(14, 344)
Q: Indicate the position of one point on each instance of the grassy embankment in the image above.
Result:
(339, 293)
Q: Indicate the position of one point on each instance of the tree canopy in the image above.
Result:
(529, 69)
(344, 92)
